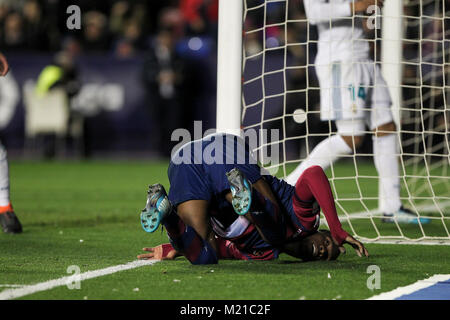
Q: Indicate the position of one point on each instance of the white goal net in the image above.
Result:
(280, 90)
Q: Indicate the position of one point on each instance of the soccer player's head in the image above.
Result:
(317, 246)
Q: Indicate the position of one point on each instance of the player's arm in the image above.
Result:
(4, 67)
(362, 6)
(357, 245)
(162, 252)
(226, 250)
(314, 184)
(340, 236)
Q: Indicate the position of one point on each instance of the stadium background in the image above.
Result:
(114, 49)
(85, 213)
(116, 46)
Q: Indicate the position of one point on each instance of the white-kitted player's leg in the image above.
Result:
(385, 143)
(4, 177)
(337, 102)
(8, 219)
(386, 153)
(385, 149)
(324, 154)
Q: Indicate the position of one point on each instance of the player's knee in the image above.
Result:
(314, 170)
(205, 258)
(203, 254)
(310, 173)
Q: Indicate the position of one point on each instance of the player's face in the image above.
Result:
(320, 246)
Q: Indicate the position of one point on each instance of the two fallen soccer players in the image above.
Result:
(228, 209)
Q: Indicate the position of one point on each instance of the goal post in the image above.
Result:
(391, 60)
(229, 66)
(391, 54)
(266, 79)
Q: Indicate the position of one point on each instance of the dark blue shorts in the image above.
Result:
(197, 171)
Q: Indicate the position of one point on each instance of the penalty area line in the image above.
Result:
(419, 285)
(47, 285)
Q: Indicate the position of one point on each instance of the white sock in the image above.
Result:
(386, 161)
(4, 177)
(324, 154)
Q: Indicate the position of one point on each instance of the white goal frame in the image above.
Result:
(229, 66)
(230, 73)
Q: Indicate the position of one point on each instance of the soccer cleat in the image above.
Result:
(241, 191)
(156, 209)
(10, 223)
(404, 215)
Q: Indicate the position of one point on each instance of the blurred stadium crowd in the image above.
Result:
(118, 26)
(166, 46)
(170, 47)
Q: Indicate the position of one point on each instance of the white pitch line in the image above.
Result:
(421, 284)
(12, 285)
(43, 286)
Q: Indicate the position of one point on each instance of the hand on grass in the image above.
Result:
(158, 253)
(358, 246)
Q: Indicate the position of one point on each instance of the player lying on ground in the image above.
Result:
(241, 240)
(209, 192)
(317, 246)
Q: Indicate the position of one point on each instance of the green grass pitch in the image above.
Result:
(86, 214)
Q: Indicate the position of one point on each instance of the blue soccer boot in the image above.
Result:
(241, 191)
(156, 209)
(404, 215)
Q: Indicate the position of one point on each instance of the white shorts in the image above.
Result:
(354, 91)
(353, 127)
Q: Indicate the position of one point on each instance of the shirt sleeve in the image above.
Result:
(317, 11)
(335, 227)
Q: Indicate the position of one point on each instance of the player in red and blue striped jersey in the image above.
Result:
(201, 207)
